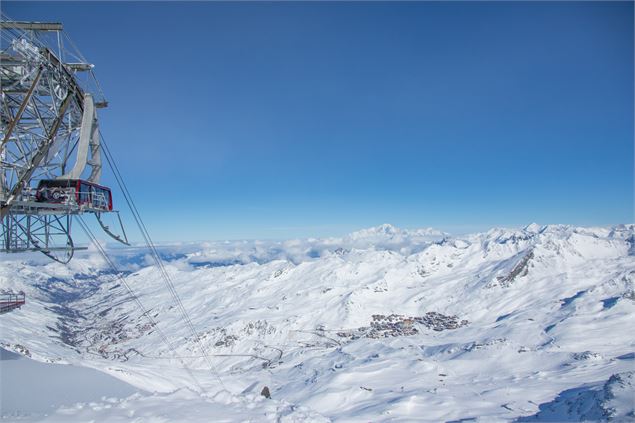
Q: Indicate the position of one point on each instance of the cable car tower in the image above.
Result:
(50, 145)
(50, 157)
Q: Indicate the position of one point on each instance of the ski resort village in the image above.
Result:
(193, 200)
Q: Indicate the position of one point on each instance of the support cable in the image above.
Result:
(156, 256)
(145, 312)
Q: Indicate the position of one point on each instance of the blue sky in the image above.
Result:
(277, 120)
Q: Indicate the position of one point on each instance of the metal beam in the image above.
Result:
(23, 250)
(79, 92)
(35, 162)
(31, 26)
(80, 66)
(18, 115)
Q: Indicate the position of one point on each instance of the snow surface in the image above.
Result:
(29, 386)
(385, 324)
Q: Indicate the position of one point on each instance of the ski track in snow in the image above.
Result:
(549, 313)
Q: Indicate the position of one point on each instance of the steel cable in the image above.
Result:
(145, 312)
(155, 255)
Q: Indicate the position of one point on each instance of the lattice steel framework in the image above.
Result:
(48, 127)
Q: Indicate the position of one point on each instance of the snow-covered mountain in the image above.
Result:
(384, 324)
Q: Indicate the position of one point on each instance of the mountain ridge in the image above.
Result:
(310, 318)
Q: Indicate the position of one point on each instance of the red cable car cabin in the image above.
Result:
(74, 191)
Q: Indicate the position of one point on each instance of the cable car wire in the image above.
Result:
(144, 310)
(156, 256)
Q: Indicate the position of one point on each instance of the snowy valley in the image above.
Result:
(384, 324)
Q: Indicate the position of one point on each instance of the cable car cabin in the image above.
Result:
(74, 191)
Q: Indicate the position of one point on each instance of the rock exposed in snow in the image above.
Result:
(612, 401)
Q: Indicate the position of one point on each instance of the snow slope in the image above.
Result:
(385, 324)
(41, 388)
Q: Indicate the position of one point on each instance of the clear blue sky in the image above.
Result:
(276, 120)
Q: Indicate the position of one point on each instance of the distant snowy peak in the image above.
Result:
(550, 240)
(535, 231)
(534, 228)
(388, 232)
(529, 231)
